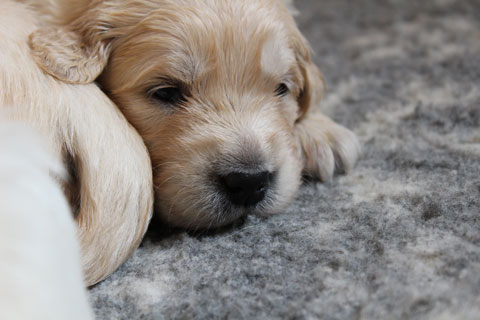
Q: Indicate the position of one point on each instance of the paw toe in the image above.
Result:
(326, 146)
(345, 147)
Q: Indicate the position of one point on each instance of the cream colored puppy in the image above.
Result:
(224, 94)
(110, 183)
(40, 270)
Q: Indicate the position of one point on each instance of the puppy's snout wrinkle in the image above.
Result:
(246, 189)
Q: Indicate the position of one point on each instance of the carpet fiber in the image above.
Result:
(397, 238)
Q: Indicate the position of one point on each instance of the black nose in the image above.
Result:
(246, 189)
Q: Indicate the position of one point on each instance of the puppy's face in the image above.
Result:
(214, 92)
(216, 89)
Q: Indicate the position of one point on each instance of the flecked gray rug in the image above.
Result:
(398, 238)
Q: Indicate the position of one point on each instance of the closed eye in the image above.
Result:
(168, 95)
(282, 90)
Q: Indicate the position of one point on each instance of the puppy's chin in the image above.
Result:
(210, 207)
(204, 215)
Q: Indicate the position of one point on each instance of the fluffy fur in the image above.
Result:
(40, 275)
(110, 180)
(228, 59)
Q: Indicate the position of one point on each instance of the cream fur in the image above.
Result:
(228, 57)
(110, 187)
(40, 274)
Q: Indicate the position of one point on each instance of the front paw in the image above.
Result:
(325, 146)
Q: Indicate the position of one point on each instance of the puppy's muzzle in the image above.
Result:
(246, 189)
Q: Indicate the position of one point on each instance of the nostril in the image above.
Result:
(246, 189)
(240, 181)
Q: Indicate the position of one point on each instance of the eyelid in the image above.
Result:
(152, 90)
(287, 81)
(291, 82)
(162, 83)
(282, 90)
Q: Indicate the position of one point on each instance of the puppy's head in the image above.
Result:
(215, 88)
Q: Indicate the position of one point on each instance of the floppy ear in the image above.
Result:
(325, 146)
(62, 54)
(313, 82)
(313, 88)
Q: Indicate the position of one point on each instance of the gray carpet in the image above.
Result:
(398, 238)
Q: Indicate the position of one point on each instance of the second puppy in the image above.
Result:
(110, 185)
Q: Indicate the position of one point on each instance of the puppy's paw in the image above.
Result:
(326, 146)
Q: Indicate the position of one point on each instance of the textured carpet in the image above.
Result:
(398, 238)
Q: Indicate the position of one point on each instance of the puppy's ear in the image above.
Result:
(62, 54)
(313, 82)
(325, 146)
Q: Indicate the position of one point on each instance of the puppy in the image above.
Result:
(40, 275)
(224, 94)
(110, 184)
